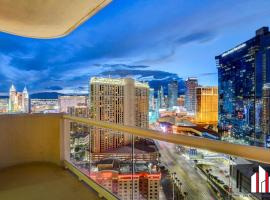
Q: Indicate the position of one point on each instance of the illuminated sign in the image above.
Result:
(234, 49)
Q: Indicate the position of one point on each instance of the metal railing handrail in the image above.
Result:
(254, 153)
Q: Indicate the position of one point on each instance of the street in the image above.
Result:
(193, 183)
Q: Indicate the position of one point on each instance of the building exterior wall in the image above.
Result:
(173, 93)
(207, 105)
(120, 101)
(266, 113)
(69, 101)
(242, 72)
(190, 101)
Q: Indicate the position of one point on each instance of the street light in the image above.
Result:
(173, 175)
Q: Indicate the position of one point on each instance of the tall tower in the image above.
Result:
(242, 73)
(161, 97)
(120, 101)
(13, 101)
(190, 101)
(173, 93)
(25, 101)
(207, 105)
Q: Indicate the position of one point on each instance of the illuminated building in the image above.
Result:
(242, 72)
(181, 100)
(172, 93)
(161, 98)
(70, 101)
(190, 101)
(266, 110)
(44, 105)
(120, 101)
(151, 99)
(3, 105)
(144, 184)
(79, 111)
(152, 106)
(207, 105)
(18, 101)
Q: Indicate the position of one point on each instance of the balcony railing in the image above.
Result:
(123, 162)
(136, 163)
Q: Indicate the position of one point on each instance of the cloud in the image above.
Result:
(14, 74)
(135, 35)
(200, 37)
(140, 74)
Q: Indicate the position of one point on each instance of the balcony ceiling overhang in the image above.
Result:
(46, 18)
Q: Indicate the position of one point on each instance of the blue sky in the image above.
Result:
(161, 36)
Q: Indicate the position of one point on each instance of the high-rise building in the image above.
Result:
(151, 99)
(70, 101)
(120, 101)
(242, 72)
(181, 100)
(266, 110)
(190, 101)
(79, 111)
(172, 93)
(152, 106)
(161, 98)
(207, 105)
(18, 101)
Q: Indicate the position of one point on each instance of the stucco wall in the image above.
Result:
(29, 138)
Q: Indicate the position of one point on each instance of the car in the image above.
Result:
(220, 181)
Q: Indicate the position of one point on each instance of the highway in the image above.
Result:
(193, 182)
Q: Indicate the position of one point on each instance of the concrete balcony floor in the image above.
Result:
(42, 181)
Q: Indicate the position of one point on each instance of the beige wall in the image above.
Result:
(29, 138)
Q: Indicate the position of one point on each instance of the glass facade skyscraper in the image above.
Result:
(173, 93)
(242, 72)
(190, 98)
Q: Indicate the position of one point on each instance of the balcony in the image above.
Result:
(52, 157)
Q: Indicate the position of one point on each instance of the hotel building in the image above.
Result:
(121, 101)
(207, 105)
(18, 101)
(266, 112)
(242, 72)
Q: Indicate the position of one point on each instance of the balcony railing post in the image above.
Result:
(65, 140)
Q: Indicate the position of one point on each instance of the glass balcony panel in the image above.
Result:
(80, 146)
(138, 168)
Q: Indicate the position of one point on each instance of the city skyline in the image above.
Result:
(135, 100)
(109, 43)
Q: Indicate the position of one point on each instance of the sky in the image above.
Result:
(145, 39)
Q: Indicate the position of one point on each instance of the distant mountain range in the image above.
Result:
(46, 95)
